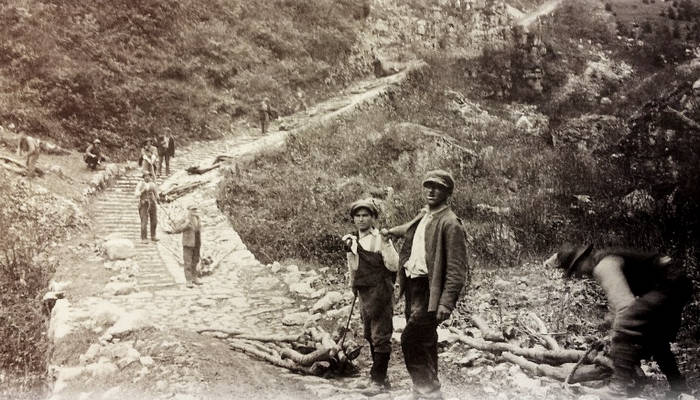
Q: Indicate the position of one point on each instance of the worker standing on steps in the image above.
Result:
(191, 228)
(372, 264)
(149, 158)
(166, 151)
(147, 193)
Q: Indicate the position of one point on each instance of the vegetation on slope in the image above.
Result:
(124, 70)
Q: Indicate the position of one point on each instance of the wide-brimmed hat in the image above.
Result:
(441, 177)
(570, 255)
(367, 204)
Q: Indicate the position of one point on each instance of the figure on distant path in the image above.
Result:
(166, 151)
(372, 263)
(149, 158)
(191, 228)
(265, 112)
(32, 147)
(646, 294)
(147, 193)
(93, 155)
(432, 269)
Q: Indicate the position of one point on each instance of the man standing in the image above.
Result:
(433, 265)
(93, 154)
(32, 147)
(191, 228)
(646, 293)
(166, 150)
(265, 113)
(147, 193)
(149, 157)
(372, 263)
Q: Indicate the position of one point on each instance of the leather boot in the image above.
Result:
(379, 369)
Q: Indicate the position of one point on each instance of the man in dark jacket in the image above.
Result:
(166, 151)
(646, 293)
(432, 270)
(372, 264)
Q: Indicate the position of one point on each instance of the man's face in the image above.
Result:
(147, 178)
(696, 92)
(435, 194)
(363, 219)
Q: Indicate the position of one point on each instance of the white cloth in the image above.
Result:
(372, 241)
(416, 265)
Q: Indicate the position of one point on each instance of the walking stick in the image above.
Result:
(347, 325)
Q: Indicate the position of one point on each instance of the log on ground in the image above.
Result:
(584, 373)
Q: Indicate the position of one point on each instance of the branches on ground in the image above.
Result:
(581, 374)
(487, 332)
(553, 357)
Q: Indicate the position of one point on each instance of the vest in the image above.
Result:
(371, 270)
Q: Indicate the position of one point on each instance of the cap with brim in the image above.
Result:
(696, 84)
(366, 204)
(96, 141)
(440, 177)
(569, 256)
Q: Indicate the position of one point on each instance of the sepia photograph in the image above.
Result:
(349, 199)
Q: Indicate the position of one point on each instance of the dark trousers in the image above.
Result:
(190, 257)
(419, 339)
(164, 158)
(147, 211)
(377, 313)
(264, 120)
(644, 329)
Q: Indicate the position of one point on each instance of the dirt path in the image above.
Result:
(544, 9)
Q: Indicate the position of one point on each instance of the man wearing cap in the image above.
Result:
(166, 150)
(149, 157)
(372, 263)
(93, 154)
(265, 113)
(147, 193)
(646, 294)
(32, 147)
(191, 228)
(432, 269)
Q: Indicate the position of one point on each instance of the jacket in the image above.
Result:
(191, 231)
(446, 258)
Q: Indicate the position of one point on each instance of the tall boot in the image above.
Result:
(378, 373)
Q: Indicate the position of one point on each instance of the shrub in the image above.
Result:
(608, 6)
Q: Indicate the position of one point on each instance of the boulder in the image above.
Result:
(61, 320)
(327, 302)
(119, 249)
(120, 288)
(128, 323)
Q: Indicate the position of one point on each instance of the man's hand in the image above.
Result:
(443, 313)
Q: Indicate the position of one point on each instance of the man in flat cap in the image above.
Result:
(646, 293)
(93, 154)
(372, 263)
(147, 193)
(432, 269)
(191, 228)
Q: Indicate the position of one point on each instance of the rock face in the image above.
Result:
(591, 132)
(118, 249)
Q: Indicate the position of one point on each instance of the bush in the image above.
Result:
(608, 6)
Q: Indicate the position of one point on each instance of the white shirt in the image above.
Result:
(372, 241)
(416, 265)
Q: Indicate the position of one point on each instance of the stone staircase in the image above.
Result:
(116, 210)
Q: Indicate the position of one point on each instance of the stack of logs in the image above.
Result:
(570, 366)
(313, 352)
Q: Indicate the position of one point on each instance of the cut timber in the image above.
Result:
(277, 361)
(487, 332)
(553, 357)
(180, 190)
(582, 374)
(247, 336)
(541, 332)
(322, 354)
